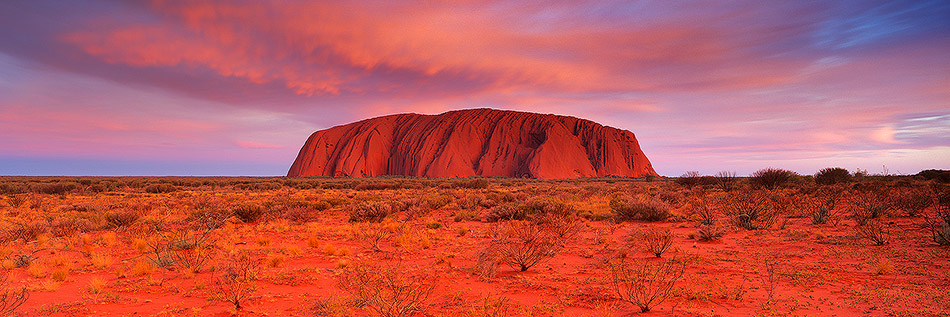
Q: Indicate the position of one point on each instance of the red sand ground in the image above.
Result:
(822, 269)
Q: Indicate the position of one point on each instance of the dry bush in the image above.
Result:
(236, 284)
(563, 226)
(874, 230)
(192, 250)
(26, 231)
(726, 180)
(69, 226)
(823, 206)
(373, 235)
(16, 200)
(434, 202)
(506, 212)
(940, 224)
(248, 212)
(645, 283)
(160, 188)
(121, 218)
(388, 289)
(700, 206)
(749, 210)
(771, 178)
(58, 188)
(913, 201)
(832, 175)
(300, 214)
(689, 179)
(522, 245)
(11, 297)
(646, 209)
(654, 240)
(709, 232)
(370, 212)
(869, 203)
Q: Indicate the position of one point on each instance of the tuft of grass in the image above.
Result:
(276, 260)
(96, 285)
(142, 267)
(101, 261)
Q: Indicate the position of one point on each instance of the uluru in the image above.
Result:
(473, 142)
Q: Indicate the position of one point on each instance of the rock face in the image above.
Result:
(474, 142)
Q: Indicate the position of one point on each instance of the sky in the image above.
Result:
(221, 87)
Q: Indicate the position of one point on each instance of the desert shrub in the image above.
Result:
(771, 178)
(563, 226)
(321, 205)
(506, 212)
(12, 188)
(689, 179)
(726, 180)
(16, 200)
(645, 283)
(121, 218)
(654, 240)
(874, 230)
(473, 183)
(209, 218)
(370, 212)
(434, 202)
(58, 188)
(236, 284)
(869, 203)
(69, 226)
(913, 201)
(942, 176)
(300, 214)
(832, 175)
(248, 212)
(160, 188)
(192, 250)
(373, 235)
(749, 210)
(823, 206)
(700, 206)
(522, 245)
(11, 297)
(27, 231)
(388, 289)
(647, 209)
(709, 232)
(940, 224)
(466, 215)
(546, 206)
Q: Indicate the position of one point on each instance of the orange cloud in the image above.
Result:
(324, 48)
